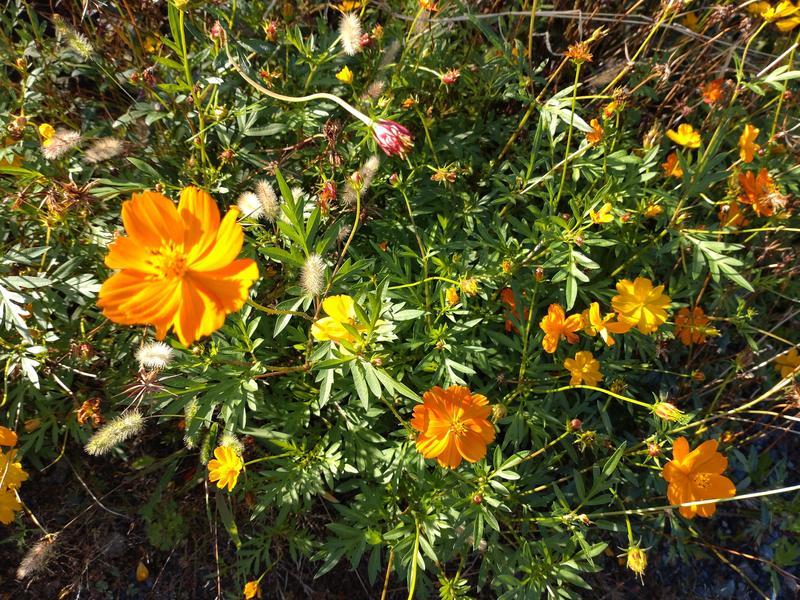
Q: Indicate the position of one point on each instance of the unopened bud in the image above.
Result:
(575, 424)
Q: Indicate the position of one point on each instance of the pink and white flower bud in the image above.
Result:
(393, 138)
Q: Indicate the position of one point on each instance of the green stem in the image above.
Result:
(569, 136)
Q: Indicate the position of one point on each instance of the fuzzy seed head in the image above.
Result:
(250, 206)
(154, 355)
(36, 558)
(268, 199)
(228, 440)
(104, 149)
(312, 277)
(190, 412)
(350, 33)
(62, 142)
(115, 432)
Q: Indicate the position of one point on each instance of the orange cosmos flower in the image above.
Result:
(671, 167)
(7, 437)
(747, 145)
(697, 475)
(507, 298)
(453, 424)
(757, 190)
(730, 215)
(685, 136)
(712, 91)
(787, 363)
(594, 323)
(556, 325)
(596, 134)
(583, 368)
(640, 304)
(691, 327)
(177, 266)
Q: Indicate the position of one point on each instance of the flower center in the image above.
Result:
(702, 480)
(169, 261)
(457, 427)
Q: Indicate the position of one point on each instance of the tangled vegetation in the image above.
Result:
(399, 299)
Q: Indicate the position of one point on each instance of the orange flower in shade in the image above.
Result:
(584, 368)
(757, 190)
(225, 467)
(507, 298)
(177, 266)
(730, 215)
(640, 304)
(787, 363)
(594, 323)
(747, 145)
(696, 475)
(691, 326)
(672, 167)
(596, 134)
(712, 91)
(7, 437)
(453, 425)
(557, 325)
(685, 136)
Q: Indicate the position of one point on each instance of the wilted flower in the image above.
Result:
(392, 138)
(469, 285)
(454, 425)
(579, 53)
(451, 295)
(350, 33)
(636, 560)
(90, 411)
(115, 432)
(730, 215)
(252, 589)
(653, 210)
(312, 275)
(696, 475)
(154, 355)
(450, 76)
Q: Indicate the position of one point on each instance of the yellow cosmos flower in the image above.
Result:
(747, 145)
(177, 266)
(252, 589)
(653, 210)
(48, 133)
(583, 368)
(594, 323)
(603, 215)
(781, 10)
(225, 467)
(9, 506)
(451, 295)
(341, 311)
(640, 304)
(686, 136)
(345, 75)
(696, 475)
(11, 473)
(787, 363)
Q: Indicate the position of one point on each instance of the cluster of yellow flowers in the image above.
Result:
(11, 477)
